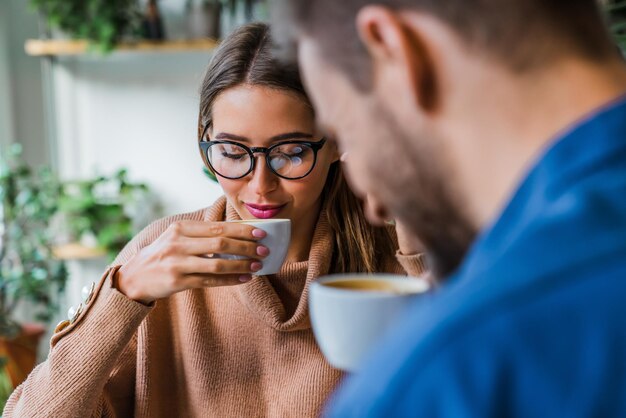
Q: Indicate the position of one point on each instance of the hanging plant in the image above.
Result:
(103, 23)
(104, 212)
(27, 269)
(210, 175)
(616, 12)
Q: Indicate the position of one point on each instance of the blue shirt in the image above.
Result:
(533, 324)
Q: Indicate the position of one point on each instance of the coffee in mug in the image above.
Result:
(370, 285)
(350, 313)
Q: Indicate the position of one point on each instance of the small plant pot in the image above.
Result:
(21, 352)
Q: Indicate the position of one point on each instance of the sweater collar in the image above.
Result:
(261, 298)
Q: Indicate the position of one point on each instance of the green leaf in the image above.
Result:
(209, 174)
(102, 23)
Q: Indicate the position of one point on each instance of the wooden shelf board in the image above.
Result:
(62, 47)
(76, 251)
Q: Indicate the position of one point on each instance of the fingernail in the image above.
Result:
(262, 251)
(258, 233)
(256, 266)
(245, 278)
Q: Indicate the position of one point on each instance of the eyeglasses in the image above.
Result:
(290, 160)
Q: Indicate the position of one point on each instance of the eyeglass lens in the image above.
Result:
(286, 160)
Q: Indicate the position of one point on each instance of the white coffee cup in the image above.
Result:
(277, 240)
(351, 312)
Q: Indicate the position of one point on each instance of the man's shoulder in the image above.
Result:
(535, 347)
(547, 313)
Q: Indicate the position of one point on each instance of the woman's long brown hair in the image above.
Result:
(245, 57)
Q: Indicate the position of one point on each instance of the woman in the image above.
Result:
(220, 341)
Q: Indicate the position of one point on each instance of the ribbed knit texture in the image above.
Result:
(242, 351)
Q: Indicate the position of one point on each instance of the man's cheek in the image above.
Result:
(354, 148)
(357, 177)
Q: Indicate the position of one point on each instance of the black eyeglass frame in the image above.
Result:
(205, 145)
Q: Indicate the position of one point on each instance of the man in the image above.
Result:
(495, 131)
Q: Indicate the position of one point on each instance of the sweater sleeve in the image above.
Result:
(82, 358)
(413, 265)
(90, 369)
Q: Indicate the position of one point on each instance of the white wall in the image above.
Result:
(25, 92)
(6, 112)
(21, 103)
(134, 110)
(127, 110)
(137, 110)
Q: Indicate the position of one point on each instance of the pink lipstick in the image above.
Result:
(263, 211)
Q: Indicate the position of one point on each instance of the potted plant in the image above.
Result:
(102, 213)
(616, 13)
(28, 271)
(103, 23)
(210, 174)
(37, 210)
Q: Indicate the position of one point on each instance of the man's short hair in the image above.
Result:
(522, 34)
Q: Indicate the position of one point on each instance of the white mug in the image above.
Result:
(351, 312)
(277, 240)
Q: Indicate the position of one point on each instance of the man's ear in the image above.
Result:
(375, 213)
(398, 53)
(335, 155)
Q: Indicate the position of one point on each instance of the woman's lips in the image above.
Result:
(263, 211)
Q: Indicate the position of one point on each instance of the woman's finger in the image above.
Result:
(216, 229)
(220, 245)
(207, 280)
(202, 265)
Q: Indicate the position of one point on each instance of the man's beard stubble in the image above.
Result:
(416, 192)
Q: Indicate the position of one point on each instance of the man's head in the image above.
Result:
(407, 87)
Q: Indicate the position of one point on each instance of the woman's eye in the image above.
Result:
(296, 161)
(278, 163)
(281, 160)
(237, 156)
(296, 151)
(291, 152)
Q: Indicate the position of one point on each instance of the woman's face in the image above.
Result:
(257, 116)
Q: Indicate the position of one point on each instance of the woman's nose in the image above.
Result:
(262, 179)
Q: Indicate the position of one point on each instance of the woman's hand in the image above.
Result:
(408, 244)
(178, 260)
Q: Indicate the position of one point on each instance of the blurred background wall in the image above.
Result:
(21, 101)
(134, 110)
(137, 110)
(6, 118)
(90, 114)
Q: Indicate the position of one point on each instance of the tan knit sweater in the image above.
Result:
(242, 351)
